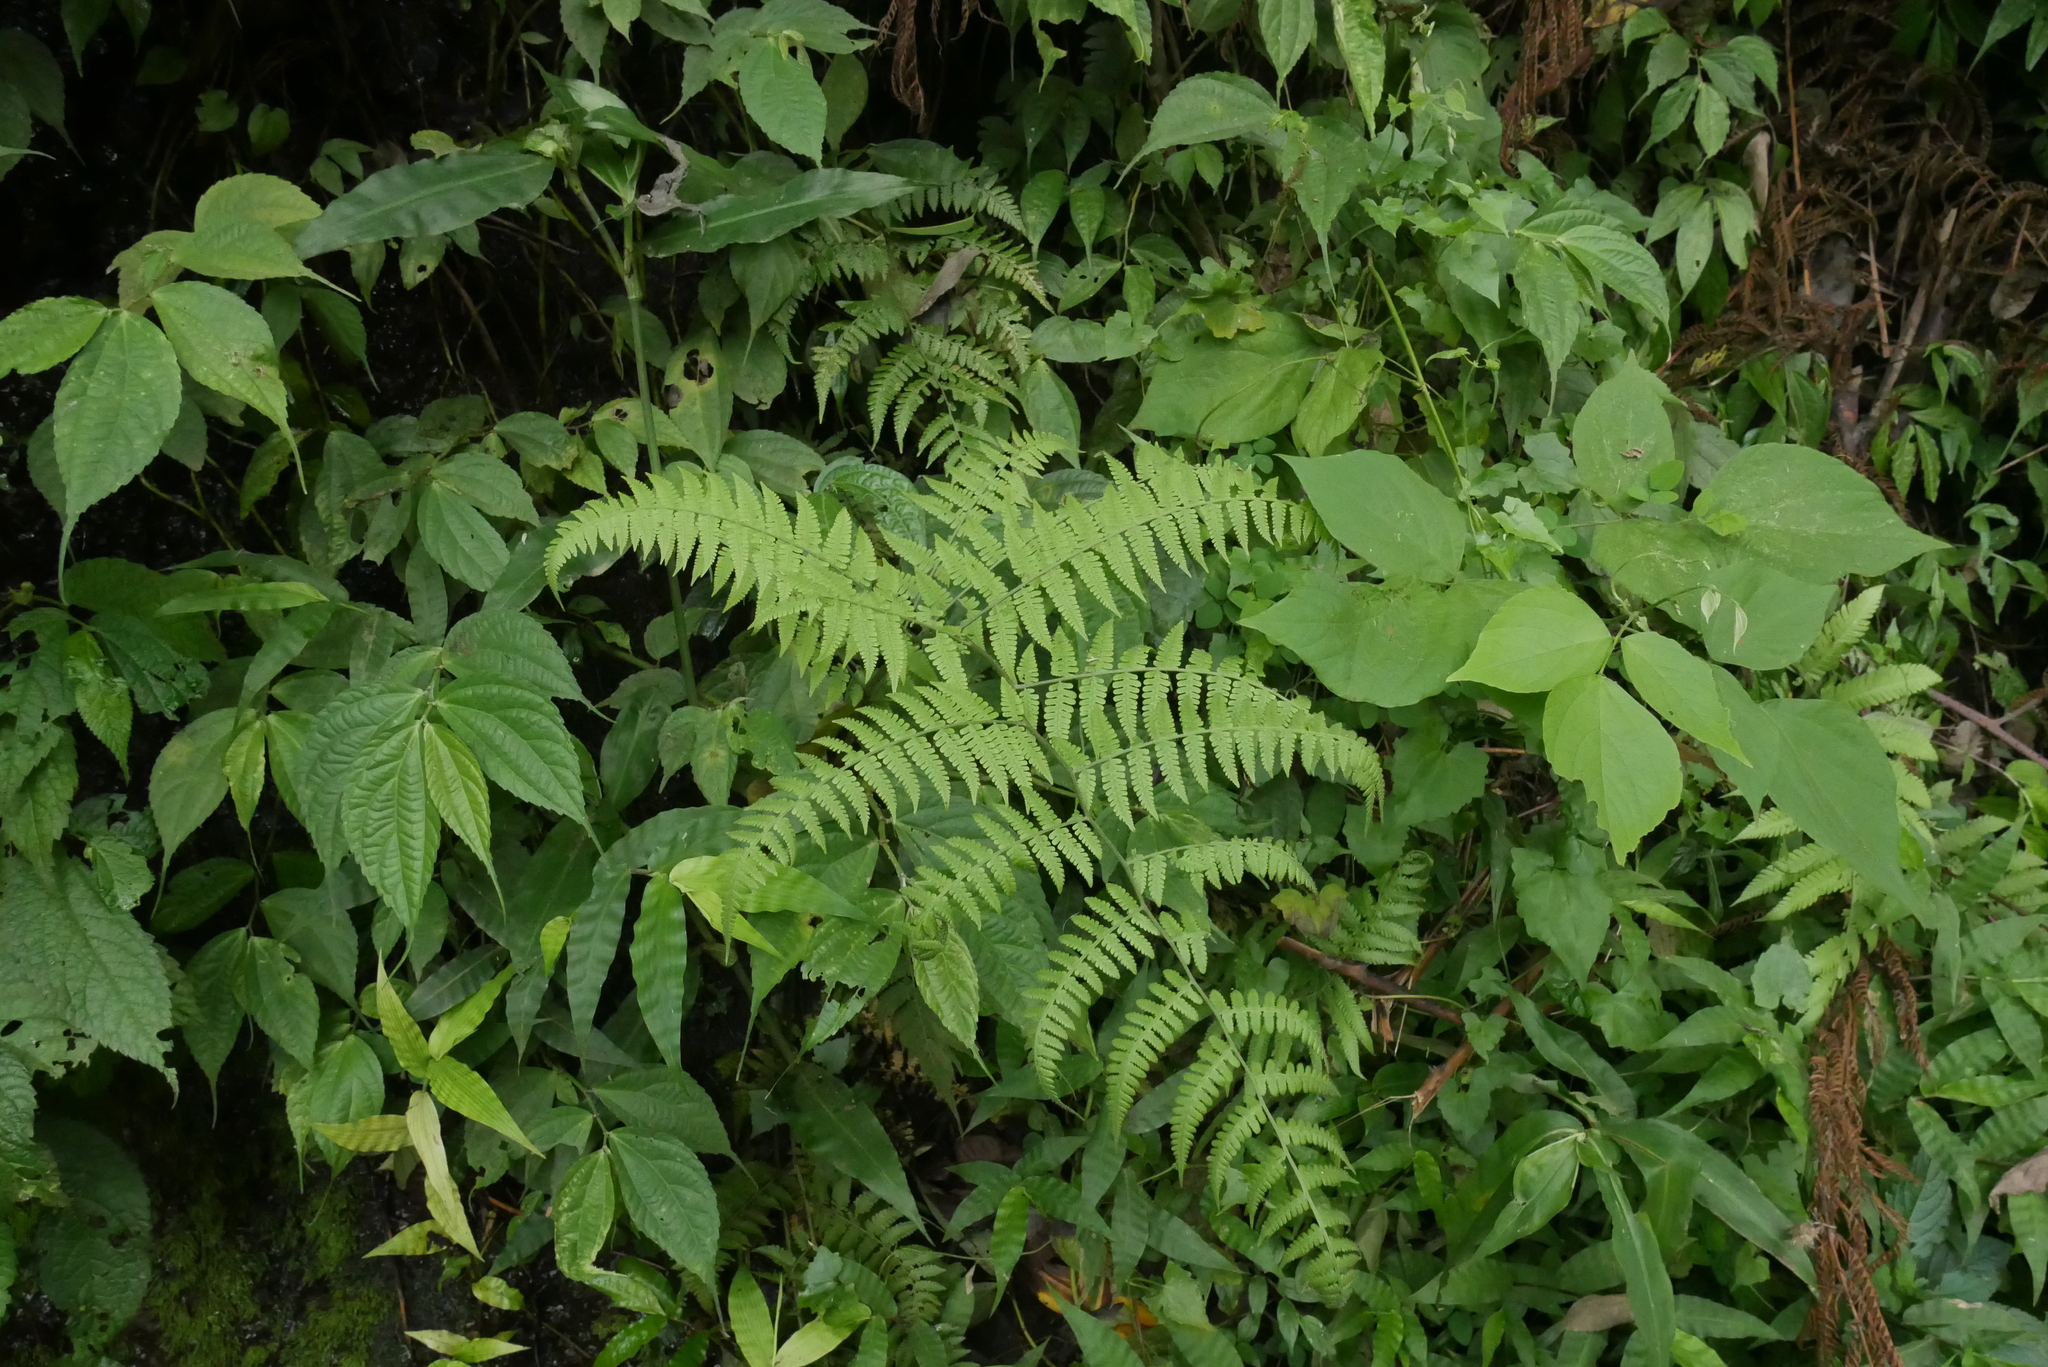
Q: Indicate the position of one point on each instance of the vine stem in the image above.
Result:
(1379, 986)
(1989, 725)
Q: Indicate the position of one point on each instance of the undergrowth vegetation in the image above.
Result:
(1356, 684)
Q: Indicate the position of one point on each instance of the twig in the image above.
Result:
(1792, 107)
(1371, 981)
(1989, 725)
(2018, 460)
(1499, 750)
(1462, 1055)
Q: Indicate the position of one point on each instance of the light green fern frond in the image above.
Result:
(1849, 624)
(816, 581)
(1167, 1012)
(1883, 686)
(868, 321)
(1099, 946)
(1786, 870)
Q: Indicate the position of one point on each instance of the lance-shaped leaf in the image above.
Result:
(424, 198)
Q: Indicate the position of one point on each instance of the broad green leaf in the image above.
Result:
(1718, 1184)
(1569, 1050)
(1233, 390)
(1383, 511)
(393, 829)
(1544, 1180)
(459, 537)
(1551, 308)
(1680, 686)
(114, 409)
(1211, 108)
(1006, 1242)
(345, 730)
(84, 959)
(1832, 777)
(509, 645)
(835, 1125)
(1620, 263)
(593, 943)
(240, 251)
(210, 1015)
(1392, 644)
(1568, 908)
(249, 596)
(1642, 1266)
(225, 345)
(782, 95)
(1593, 731)
(456, 788)
(1807, 514)
(753, 1329)
(668, 1197)
(253, 198)
(195, 893)
(1537, 640)
(1754, 616)
(1622, 434)
(661, 966)
(444, 1198)
(1336, 399)
(279, 998)
(1658, 561)
(1287, 26)
(667, 1101)
(245, 764)
(47, 332)
(371, 1134)
(759, 216)
(425, 198)
(346, 1086)
(1101, 1345)
(518, 738)
(947, 981)
(1364, 48)
(188, 781)
(456, 1085)
(812, 1342)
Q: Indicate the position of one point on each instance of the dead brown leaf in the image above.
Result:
(2029, 1174)
(1593, 1314)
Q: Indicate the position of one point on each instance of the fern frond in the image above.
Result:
(1831, 876)
(877, 1239)
(1912, 790)
(1970, 836)
(1785, 870)
(1214, 863)
(869, 320)
(1098, 947)
(1770, 824)
(1349, 1029)
(1883, 686)
(816, 581)
(1153, 1026)
(1207, 1081)
(1171, 717)
(968, 877)
(1902, 735)
(2025, 884)
(1164, 512)
(1849, 624)
(1246, 1016)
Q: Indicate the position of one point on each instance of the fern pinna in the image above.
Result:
(1018, 680)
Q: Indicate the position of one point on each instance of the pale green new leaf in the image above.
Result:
(444, 1198)
(456, 1085)
(1364, 48)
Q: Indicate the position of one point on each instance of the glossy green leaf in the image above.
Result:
(1210, 108)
